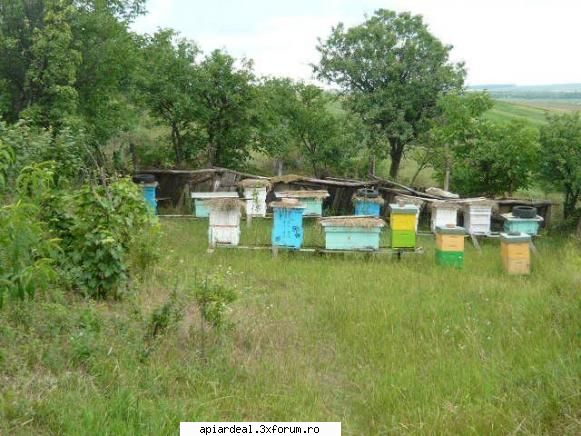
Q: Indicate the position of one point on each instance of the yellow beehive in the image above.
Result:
(516, 254)
(447, 242)
(403, 217)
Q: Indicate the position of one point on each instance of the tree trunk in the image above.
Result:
(396, 154)
(447, 168)
(279, 167)
(570, 203)
(372, 165)
(177, 144)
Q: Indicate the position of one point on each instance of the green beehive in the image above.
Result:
(450, 258)
(403, 238)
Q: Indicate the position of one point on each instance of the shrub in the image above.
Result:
(107, 220)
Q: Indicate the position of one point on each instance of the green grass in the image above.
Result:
(383, 346)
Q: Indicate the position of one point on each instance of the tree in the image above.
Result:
(225, 121)
(499, 158)
(561, 157)
(68, 62)
(300, 117)
(167, 85)
(39, 62)
(459, 123)
(393, 71)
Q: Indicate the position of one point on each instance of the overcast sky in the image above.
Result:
(525, 42)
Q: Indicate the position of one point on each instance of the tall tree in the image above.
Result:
(561, 157)
(393, 71)
(168, 83)
(226, 96)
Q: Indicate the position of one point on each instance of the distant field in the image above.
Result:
(533, 111)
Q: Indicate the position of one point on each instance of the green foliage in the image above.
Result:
(502, 158)
(561, 157)
(167, 85)
(6, 161)
(67, 150)
(214, 296)
(297, 116)
(106, 221)
(394, 70)
(26, 248)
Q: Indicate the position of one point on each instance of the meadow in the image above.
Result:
(385, 346)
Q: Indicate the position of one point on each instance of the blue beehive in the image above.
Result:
(287, 230)
(201, 209)
(312, 201)
(352, 233)
(368, 206)
(149, 195)
(530, 226)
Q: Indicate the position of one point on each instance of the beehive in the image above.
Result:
(444, 214)
(255, 191)
(403, 222)
(311, 200)
(530, 226)
(200, 208)
(450, 246)
(368, 206)
(352, 232)
(224, 225)
(516, 253)
(149, 195)
(477, 217)
(287, 230)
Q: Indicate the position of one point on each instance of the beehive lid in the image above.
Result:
(445, 205)
(302, 194)
(511, 217)
(206, 195)
(450, 230)
(404, 209)
(287, 203)
(376, 200)
(363, 221)
(512, 238)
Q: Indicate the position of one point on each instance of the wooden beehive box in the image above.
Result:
(515, 252)
(201, 209)
(450, 246)
(444, 214)
(477, 217)
(352, 232)
(403, 224)
(224, 223)
(311, 200)
(368, 206)
(255, 191)
(287, 229)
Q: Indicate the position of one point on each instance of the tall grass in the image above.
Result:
(385, 346)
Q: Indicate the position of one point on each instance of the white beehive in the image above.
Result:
(224, 222)
(444, 214)
(477, 217)
(255, 191)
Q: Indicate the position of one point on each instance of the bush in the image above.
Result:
(107, 221)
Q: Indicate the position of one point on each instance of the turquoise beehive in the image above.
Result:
(287, 230)
(312, 201)
(149, 195)
(352, 232)
(201, 209)
(513, 224)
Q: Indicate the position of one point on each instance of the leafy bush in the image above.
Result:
(106, 222)
(26, 248)
(214, 297)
